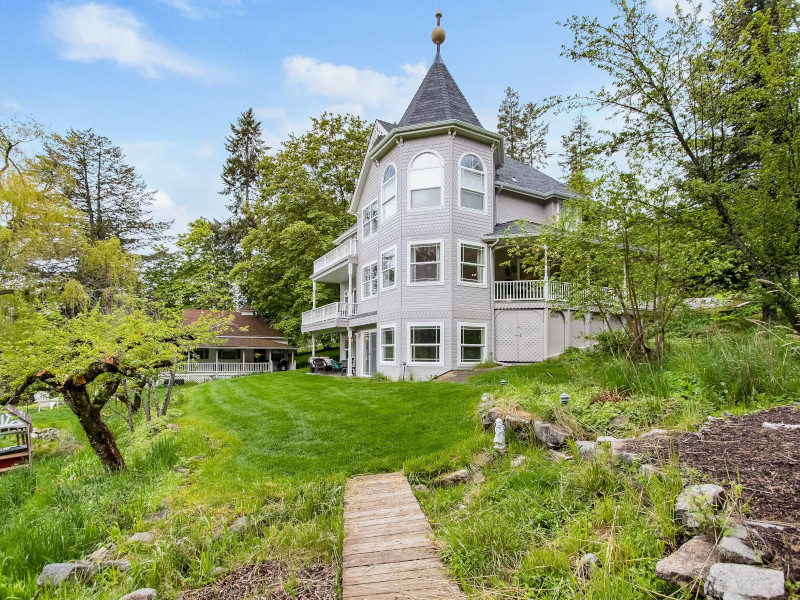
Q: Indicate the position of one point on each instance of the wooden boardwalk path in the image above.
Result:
(388, 552)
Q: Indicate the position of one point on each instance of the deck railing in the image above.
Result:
(341, 252)
(225, 367)
(329, 312)
(546, 291)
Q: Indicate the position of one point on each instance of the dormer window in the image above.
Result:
(370, 219)
(389, 192)
(473, 187)
(425, 181)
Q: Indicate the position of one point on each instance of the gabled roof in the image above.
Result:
(386, 125)
(438, 99)
(522, 177)
(255, 326)
(513, 229)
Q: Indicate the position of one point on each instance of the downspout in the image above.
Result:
(491, 298)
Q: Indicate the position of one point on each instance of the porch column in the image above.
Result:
(216, 360)
(313, 294)
(546, 276)
(567, 328)
(313, 345)
(243, 365)
(292, 366)
(349, 285)
(350, 355)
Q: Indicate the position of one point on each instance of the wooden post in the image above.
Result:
(216, 360)
(313, 295)
(546, 277)
(313, 345)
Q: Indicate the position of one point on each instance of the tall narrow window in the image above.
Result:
(472, 264)
(370, 219)
(472, 343)
(425, 181)
(389, 192)
(472, 183)
(388, 268)
(387, 344)
(425, 262)
(369, 281)
(425, 343)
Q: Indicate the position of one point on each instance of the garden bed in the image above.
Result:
(764, 461)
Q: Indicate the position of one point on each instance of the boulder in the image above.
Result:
(491, 416)
(688, 564)
(587, 449)
(695, 499)
(141, 594)
(654, 433)
(102, 553)
(623, 456)
(123, 565)
(607, 438)
(735, 550)
(454, 478)
(57, 573)
(421, 488)
(143, 537)
(550, 434)
(744, 582)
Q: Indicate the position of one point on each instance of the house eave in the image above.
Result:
(502, 185)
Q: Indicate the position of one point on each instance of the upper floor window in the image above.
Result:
(369, 281)
(425, 181)
(370, 219)
(472, 264)
(473, 188)
(425, 263)
(389, 192)
(388, 268)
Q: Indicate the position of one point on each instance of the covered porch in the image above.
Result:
(225, 362)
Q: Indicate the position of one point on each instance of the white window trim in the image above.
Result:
(396, 193)
(396, 268)
(360, 359)
(485, 193)
(380, 344)
(485, 328)
(377, 218)
(485, 266)
(377, 275)
(441, 344)
(441, 263)
(408, 184)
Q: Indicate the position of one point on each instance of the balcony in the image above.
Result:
(328, 317)
(545, 291)
(332, 267)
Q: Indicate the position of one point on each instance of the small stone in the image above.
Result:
(743, 582)
(478, 478)
(143, 537)
(765, 525)
(454, 478)
(47, 433)
(694, 500)
(57, 573)
(607, 438)
(141, 594)
(421, 488)
(734, 550)
(654, 433)
(158, 515)
(518, 460)
(102, 553)
(627, 458)
(689, 563)
(586, 565)
(587, 449)
(558, 456)
(122, 565)
(518, 421)
(491, 415)
(550, 434)
(737, 531)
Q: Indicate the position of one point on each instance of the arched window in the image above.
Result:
(389, 192)
(425, 181)
(473, 188)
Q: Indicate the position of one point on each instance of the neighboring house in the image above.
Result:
(248, 345)
(423, 287)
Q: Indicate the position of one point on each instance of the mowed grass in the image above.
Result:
(293, 425)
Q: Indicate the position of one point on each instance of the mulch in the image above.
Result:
(270, 581)
(766, 462)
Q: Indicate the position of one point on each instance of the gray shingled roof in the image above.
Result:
(438, 99)
(517, 174)
(512, 228)
(386, 125)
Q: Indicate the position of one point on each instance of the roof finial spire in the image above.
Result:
(438, 33)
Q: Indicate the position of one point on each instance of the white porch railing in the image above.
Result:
(341, 252)
(543, 291)
(226, 367)
(335, 310)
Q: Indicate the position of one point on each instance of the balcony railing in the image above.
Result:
(546, 291)
(339, 253)
(329, 312)
(226, 367)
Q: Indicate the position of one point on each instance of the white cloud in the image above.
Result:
(270, 113)
(92, 32)
(362, 89)
(164, 208)
(666, 8)
(204, 150)
(199, 9)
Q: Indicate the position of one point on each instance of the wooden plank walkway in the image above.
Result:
(388, 553)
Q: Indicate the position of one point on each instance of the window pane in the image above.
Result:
(388, 173)
(425, 353)
(472, 181)
(472, 254)
(388, 260)
(390, 207)
(471, 353)
(388, 353)
(471, 200)
(388, 278)
(389, 189)
(425, 160)
(472, 162)
(425, 253)
(426, 198)
(470, 273)
(387, 337)
(424, 335)
(472, 335)
(425, 272)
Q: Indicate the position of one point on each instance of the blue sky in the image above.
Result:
(164, 78)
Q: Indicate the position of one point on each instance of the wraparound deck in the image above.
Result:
(330, 316)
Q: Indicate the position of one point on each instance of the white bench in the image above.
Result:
(43, 399)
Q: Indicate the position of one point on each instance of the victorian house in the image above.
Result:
(424, 284)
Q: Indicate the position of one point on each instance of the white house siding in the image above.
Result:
(555, 333)
(512, 207)
(520, 335)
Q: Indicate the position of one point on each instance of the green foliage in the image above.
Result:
(524, 133)
(240, 174)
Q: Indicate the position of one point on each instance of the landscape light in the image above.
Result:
(564, 398)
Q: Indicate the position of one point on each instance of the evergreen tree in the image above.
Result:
(240, 173)
(510, 124)
(533, 149)
(579, 150)
(92, 174)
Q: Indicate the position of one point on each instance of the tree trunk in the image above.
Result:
(168, 394)
(128, 406)
(100, 436)
(147, 402)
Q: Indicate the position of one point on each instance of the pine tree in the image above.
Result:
(510, 124)
(533, 148)
(579, 151)
(240, 173)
